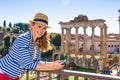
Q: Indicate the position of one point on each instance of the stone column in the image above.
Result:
(104, 53)
(105, 42)
(93, 49)
(84, 46)
(103, 45)
(69, 47)
(101, 49)
(62, 41)
(101, 42)
(76, 44)
(84, 49)
(68, 44)
(66, 38)
(93, 45)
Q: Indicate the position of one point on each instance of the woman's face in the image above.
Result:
(39, 30)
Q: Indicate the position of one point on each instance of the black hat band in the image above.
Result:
(41, 20)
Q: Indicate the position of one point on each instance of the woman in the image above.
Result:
(25, 51)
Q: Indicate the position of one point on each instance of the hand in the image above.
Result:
(57, 65)
(58, 61)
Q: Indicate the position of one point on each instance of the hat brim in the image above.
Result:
(31, 21)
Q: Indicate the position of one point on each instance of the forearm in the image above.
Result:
(48, 66)
(45, 66)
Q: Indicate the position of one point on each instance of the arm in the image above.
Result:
(49, 66)
(22, 45)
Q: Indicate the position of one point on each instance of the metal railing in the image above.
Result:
(64, 73)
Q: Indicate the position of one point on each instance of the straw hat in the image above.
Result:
(40, 18)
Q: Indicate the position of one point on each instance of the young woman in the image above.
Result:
(25, 51)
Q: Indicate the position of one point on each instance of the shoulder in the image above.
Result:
(23, 39)
(24, 36)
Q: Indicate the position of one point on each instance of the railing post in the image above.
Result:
(38, 75)
(76, 77)
(62, 77)
(49, 74)
(27, 74)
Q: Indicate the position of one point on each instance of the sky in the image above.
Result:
(15, 11)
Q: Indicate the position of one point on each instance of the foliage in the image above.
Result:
(30, 77)
(1, 29)
(16, 30)
(6, 45)
(10, 24)
(46, 55)
(3, 51)
(73, 66)
(62, 57)
(13, 38)
(55, 39)
(7, 41)
(97, 71)
(23, 26)
(4, 29)
(69, 78)
(86, 69)
(4, 23)
(8, 29)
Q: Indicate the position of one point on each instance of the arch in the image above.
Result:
(88, 26)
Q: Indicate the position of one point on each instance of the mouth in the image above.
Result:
(39, 33)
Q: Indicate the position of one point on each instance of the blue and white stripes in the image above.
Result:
(20, 56)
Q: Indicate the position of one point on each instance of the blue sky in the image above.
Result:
(15, 11)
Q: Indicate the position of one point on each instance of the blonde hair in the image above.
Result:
(44, 42)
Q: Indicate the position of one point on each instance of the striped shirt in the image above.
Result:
(20, 57)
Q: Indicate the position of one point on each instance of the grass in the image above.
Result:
(86, 69)
(69, 78)
(30, 77)
(72, 78)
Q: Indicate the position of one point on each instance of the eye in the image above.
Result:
(44, 28)
(40, 26)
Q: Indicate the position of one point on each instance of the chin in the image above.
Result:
(38, 36)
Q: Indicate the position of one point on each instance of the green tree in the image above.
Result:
(14, 25)
(56, 40)
(13, 38)
(23, 26)
(8, 29)
(20, 25)
(4, 30)
(10, 25)
(0, 29)
(16, 29)
(47, 54)
(26, 27)
(3, 51)
(7, 42)
(4, 23)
